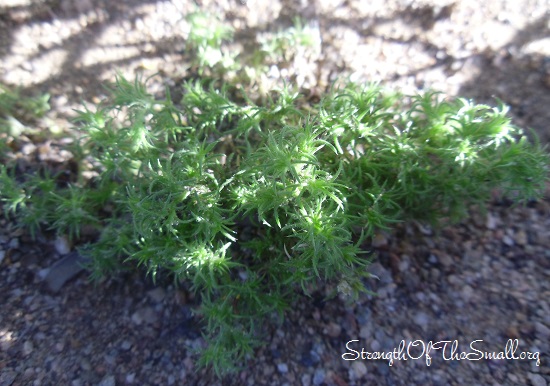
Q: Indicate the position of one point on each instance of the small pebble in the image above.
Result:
(27, 348)
(404, 263)
(28, 148)
(379, 272)
(14, 243)
(333, 330)
(268, 370)
(145, 315)
(157, 294)
(107, 381)
(467, 292)
(542, 331)
(126, 345)
(28, 373)
(491, 222)
(421, 319)
(62, 245)
(520, 237)
(379, 240)
(507, 240)
(445, 259)
(85, 365)
(318, 377)
(536, 379)
(359, 369)
(375, 345)
(283, 368)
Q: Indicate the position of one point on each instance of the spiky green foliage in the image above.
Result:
(250, 204)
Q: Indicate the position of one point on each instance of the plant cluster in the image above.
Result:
(210, 39)
(206, 35)
(16, 112)
(250, 204)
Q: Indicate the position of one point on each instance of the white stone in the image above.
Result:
(507, 240)
(491, 221)
(62, 245)
(283, 368)
(359, 369)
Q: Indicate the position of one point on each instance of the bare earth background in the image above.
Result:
(487, 278)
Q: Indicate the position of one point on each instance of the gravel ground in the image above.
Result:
(484, 279)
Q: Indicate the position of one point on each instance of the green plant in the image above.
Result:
(284, 44)
(16, 108)
(206, 35)
(249, 205)
(209, 40)
(17, 113)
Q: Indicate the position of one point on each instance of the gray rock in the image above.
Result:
(422, 319)
(64, 270)
(28, 348)
(85, 365)
(359, 369)
(107, 381)
(14, 243)
(445, 259)
(542, 330)
(364, 332)
(536, 379)
(508, 240)
(333, 330)
(283, 368)
(467, 292)
(375, 345)
(145, 315)
(157, 294)
(126, 345)
(7, 377)
(378, 271)
(318, 377)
